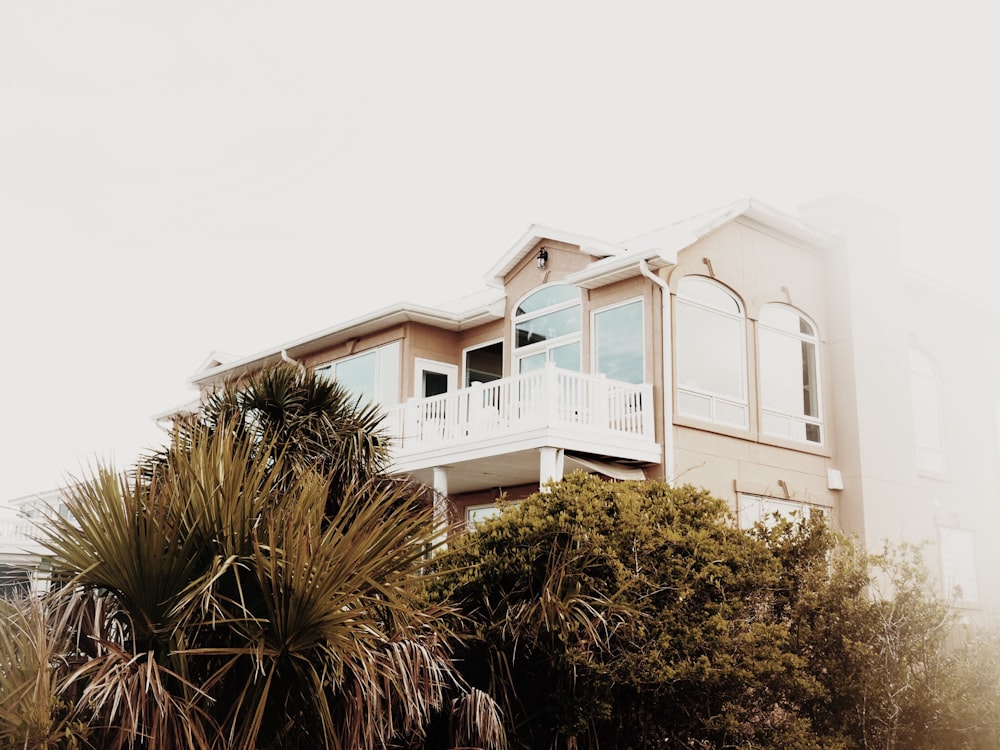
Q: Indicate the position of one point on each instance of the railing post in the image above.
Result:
(550, 392)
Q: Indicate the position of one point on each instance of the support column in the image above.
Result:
(551, 462)
(441, 501)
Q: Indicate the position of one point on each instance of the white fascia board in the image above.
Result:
(538, 232)
(364, 325)
(617, 268)
(670, 240)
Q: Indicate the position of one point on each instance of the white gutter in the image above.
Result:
(284, 356)
(668, 374)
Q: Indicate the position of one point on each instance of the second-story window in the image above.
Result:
(789, 375)
(547, 329)
(618, 342)
(711, 356)
(372, 375)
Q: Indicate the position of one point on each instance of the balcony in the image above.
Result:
(493, 430)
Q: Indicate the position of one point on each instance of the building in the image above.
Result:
(782, 362)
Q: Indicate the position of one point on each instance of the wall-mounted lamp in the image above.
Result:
(543, 258)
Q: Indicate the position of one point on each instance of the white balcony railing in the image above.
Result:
(548, 398)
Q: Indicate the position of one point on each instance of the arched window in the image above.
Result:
(927, 422)
(789, 375)
(710, 342)
(547, 329)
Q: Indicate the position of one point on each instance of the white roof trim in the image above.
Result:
(364, 325)
(538, 232)
(670, 240)
(616, 268)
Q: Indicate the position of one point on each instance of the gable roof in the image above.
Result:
(654, 250)
(535, 234)
(671, 239)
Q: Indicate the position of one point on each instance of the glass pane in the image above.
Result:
(567, 357)
(387, 377)
(781, 373)
(727, 413)
(784, 319)
(484, 364)
(547, 297)
(707, 293)
(619, 343)
(544, 327)
(435, 383)
(710, 352)
(532, 362)
(694, 405)
(357, 375)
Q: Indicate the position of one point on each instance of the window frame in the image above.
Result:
(817, 387)
(379, 387)
(713, 398)
(546, 346)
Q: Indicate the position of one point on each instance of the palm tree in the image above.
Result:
(256, 588)
(313, 421)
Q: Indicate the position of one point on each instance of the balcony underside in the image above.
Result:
(514, 459)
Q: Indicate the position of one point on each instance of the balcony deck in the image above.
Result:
(550, 407)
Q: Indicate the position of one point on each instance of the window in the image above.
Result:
(789, 375)
(618, 342)
(927, 422)
(769, 510)
(958, 564)
(710, 344)
(547, 329)
(372, 375)
(484, 364)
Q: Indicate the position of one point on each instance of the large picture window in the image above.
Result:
(789, 375)
(547, 329)
(372, 375)
(710, 342)
(618, 342)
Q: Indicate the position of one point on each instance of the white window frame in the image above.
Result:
(642, 333)
(801, 419)
(714, 399)
(422, 365)
(764, 507)
(518, 353)
(385, 394)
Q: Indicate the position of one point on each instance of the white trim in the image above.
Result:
(517, 353)
(814, 339)
(713, 397)
(422, 365)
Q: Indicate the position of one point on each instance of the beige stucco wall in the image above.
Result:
(760, 267)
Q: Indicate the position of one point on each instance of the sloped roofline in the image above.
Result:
(658, 249)
(673, 238)
(370, 323)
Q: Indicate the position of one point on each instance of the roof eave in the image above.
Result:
(367, 324)
(617, 268)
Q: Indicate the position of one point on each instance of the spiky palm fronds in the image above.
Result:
(314, 421)
(33, 665)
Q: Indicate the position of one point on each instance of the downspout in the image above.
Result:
(668, 373)
(289, 360)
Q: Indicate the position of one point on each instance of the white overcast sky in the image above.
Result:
(180, 177)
